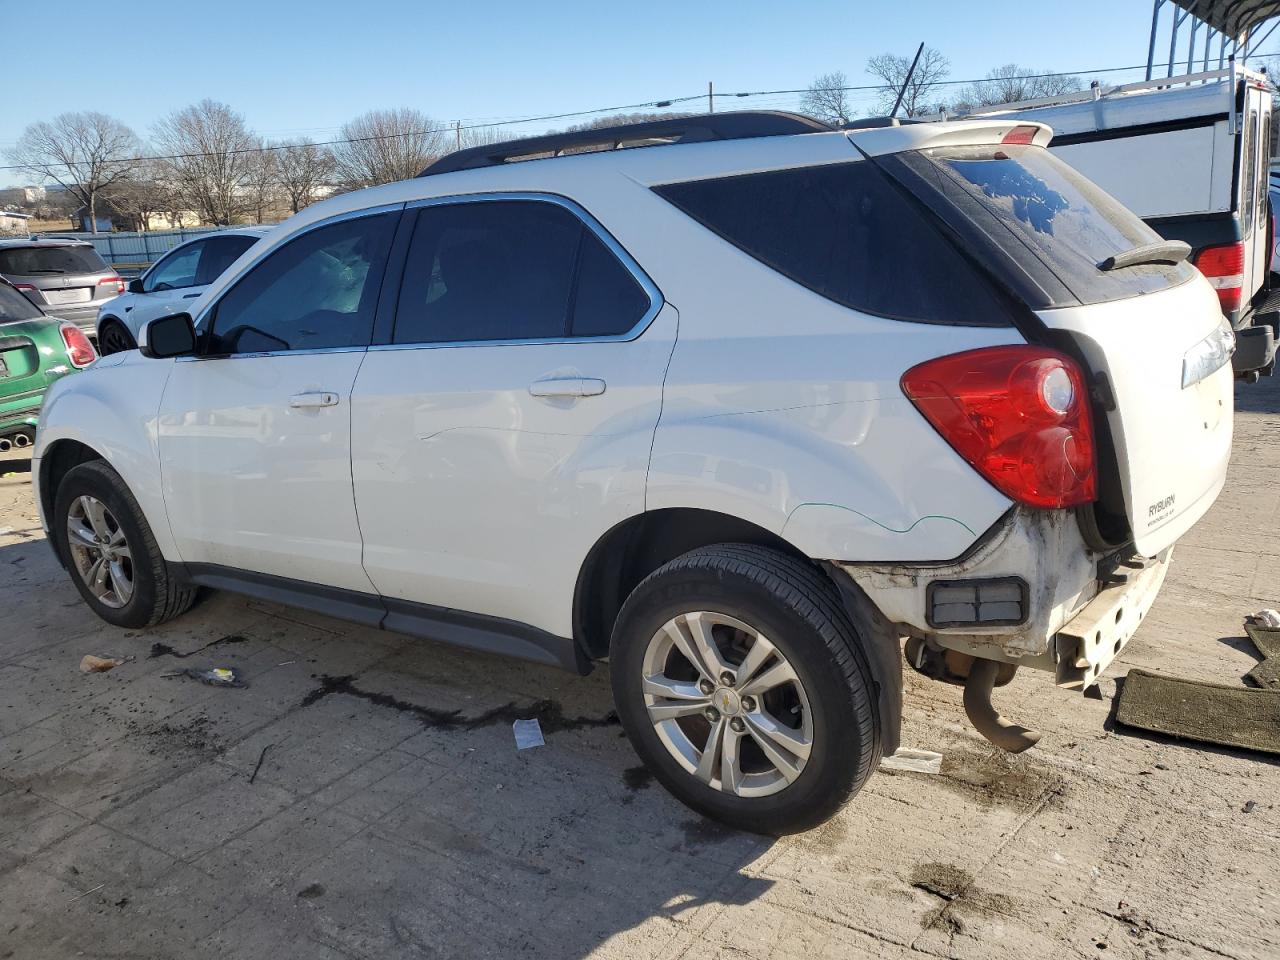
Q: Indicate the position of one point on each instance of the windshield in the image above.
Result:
(14, 306)
(50, 261)
(1066, 222)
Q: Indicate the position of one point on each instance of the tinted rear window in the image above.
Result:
(14, 306)
(846, 232)
(50, 261)
(1024, 195)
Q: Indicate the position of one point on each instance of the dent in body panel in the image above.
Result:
(1042, 547)
(855, 479)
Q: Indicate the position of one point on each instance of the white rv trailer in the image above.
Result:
(1191, 156)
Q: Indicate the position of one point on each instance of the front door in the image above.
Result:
(255, 434)
(508, 422)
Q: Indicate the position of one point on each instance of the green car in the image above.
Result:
(35, 350)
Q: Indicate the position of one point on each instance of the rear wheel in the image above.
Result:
(110, 551)
(113, 337)
(740, 680)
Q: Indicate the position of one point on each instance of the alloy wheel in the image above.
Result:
(727, 704)
(100, 552)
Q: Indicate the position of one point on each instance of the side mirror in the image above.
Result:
(135, 285)
(171, 336)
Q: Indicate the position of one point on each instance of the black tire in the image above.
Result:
(798, 608)
(157, 595)
(114, 337)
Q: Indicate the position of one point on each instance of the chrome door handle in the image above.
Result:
(567, 387)
(318, 399)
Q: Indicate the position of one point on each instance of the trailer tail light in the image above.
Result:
(1018, 414)
(114, 281)
(1223, 265)
(79, 350)
(1022, 134)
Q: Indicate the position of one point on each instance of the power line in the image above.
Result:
(545, 118)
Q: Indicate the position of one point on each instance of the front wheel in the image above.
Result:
(741, 682)
(110, 551)
(114, 338)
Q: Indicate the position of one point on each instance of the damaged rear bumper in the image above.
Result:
(1078, 608)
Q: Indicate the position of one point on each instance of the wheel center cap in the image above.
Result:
(727, 702)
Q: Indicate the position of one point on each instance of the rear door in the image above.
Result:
(1254, 166)
(1151, 335)
(508, 420)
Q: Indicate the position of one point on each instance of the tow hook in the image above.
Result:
(985, 718)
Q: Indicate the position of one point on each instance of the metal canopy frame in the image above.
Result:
(1239, 26)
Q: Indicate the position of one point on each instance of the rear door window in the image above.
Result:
(1249, 170)
(848, 233)
(494, 270)
(1036, 211)
(50, 261)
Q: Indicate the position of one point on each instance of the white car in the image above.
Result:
(737, 411)
(170, 284)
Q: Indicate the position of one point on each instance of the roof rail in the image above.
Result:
(737, 125)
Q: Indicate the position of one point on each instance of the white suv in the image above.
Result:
(170, 284)
(737, 409)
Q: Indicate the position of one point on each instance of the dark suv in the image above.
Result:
(66, 278)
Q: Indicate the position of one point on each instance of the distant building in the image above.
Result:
(14, 224)
(112, 218)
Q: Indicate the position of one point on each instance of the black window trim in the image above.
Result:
(384, 342)
(211, 308)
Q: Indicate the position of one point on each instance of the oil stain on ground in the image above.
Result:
(548, 713)
(957, 891)
(164, 650)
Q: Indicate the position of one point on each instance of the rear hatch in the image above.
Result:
(1150, 335)
(58, 275)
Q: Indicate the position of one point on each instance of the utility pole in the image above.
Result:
(711, 98)
(457, 134)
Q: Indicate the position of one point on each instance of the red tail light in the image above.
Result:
(24, 287)
(1018, 414)
(1223, 265)
(79, 350)
(1022, 134)
(116, 281)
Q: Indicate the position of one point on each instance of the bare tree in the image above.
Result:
(383, 146)
(1011, 83)
(85, 153)
(828, 100)
(302, 169)
(893, 70)
(262, 181)
(143, 196)
(210, 157)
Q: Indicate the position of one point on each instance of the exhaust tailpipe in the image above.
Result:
(21, 440)
(5, 444)
(985, 718)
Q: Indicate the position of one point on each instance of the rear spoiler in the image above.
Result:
(950, 133)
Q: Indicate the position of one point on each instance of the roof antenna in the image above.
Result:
(903, 92)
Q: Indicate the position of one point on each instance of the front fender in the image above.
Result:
(112, 408)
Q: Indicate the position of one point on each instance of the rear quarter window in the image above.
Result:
(51, 261)
(846, 232)
(1038, 211)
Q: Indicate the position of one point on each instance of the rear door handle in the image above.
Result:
(318, 399)
(567, 387)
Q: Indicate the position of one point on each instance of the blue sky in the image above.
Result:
(302, 69)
